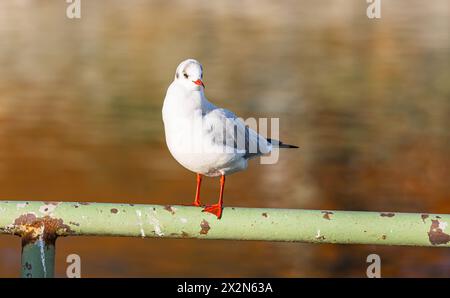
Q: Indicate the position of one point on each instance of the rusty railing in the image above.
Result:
(39, 224)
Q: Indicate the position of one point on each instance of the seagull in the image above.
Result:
(205, 139)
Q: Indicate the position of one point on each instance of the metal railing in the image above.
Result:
(39, 224)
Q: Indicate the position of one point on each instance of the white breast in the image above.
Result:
(189, 140)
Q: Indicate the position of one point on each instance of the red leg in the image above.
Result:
(216, 209)
(197, 192)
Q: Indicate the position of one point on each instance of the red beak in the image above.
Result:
(199, 82)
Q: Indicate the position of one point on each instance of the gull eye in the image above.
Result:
(186, 75)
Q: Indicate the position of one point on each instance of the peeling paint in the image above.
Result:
(47, 209)
(443, 225)
(205, 227)
(170, 209)
(51, 203)
(141, 228)
(326, 214)
(387, 214)
(183, 220)
(114, 211)
(436, 234)
(41, 249)
(319, 237)
(156, 224)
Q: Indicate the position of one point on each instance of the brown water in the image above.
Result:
(368, 102)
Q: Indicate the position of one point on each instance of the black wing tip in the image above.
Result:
(288, 146)
(280, 144)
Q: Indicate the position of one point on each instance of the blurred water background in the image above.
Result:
(368, 102)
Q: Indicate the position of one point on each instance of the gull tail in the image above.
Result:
(279, 144)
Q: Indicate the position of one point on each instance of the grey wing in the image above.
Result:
(231, 132)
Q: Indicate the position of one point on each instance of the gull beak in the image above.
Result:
(199, 82)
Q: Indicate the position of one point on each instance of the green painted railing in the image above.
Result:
(40, 223)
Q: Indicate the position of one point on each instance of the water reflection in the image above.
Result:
(368, 102)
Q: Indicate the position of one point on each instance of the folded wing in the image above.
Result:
(225, 130)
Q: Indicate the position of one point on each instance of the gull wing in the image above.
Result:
(224, 129)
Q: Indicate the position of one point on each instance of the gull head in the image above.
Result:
(189, 74)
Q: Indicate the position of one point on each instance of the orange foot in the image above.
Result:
(215, 209)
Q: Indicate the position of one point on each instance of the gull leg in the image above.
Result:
(216, 209)
(197, 192)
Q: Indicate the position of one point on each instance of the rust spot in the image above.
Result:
(436, 235)
(25, 219)
(114, 210)
(326, 214)
(169, 209)
(388, 214)
(76, 206)
(320, 237)
(205, 227)
(264, 214)
(84, 203)
(32, 228)
(74, 223)
(131, 205)
(384, 237)
(184, 234)
(424, 216)
(437, 216)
